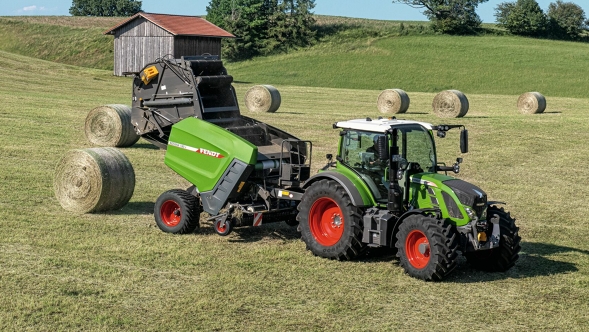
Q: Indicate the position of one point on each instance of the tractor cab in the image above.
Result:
(383, 149)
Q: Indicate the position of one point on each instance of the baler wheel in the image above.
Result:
(223, 230)
(502, 258)
(426, 247)
(177, 212)
(330, 224)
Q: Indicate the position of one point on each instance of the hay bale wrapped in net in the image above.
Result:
(531, 103)
(393, 101)
(110, 125)
(262, 98)
(450, 104)
(94, 180)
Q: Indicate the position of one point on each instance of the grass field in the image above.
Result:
(351, 54)
(117, 271)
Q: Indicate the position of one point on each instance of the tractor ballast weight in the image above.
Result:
(188, 106)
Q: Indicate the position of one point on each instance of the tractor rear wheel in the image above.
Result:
(330, 224)
(426, 247)
(502, 258)
(177, 212)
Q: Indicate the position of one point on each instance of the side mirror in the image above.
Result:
(381, 146)
(464, 141)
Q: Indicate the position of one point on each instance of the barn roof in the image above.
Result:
(178, 25)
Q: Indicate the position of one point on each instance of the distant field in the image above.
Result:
(352, 54)
(488, 64)
(117, 272)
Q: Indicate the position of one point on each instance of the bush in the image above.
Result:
(567, 20)
(524, 18)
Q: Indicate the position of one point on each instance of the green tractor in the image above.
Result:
(386, 189)
(383, 190)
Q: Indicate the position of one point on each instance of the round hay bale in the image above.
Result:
(110, 125)
(94, 180)
(450, 104)
(262, 98)
(393, 101)
(531, 103)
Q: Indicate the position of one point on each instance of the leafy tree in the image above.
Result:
(105, 7)
(523, 17)
(566, 19)
(449, 16)
(246, 19)
(290, 24)
(262, 26)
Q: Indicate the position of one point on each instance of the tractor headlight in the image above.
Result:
(471, 214)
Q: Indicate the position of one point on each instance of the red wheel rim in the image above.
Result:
(326, 221)
(417, 249)
(221, 229)
(171, 213)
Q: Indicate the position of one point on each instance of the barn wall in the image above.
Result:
(140, 42)
(133, 53)
(189, 45)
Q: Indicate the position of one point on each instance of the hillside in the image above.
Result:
(352, 53)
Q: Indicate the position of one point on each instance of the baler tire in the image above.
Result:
(502, 258)
(438, 241)
(177, 212)
(225, 230)
(330, 225)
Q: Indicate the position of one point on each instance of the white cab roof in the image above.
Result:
(378, 125)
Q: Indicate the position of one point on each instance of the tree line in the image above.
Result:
(564, 20)
(264, 27)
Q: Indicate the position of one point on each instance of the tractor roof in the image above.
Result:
(379, 125)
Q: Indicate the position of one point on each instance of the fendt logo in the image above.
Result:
(197, 150)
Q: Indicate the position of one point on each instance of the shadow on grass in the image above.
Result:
(135, 208)
(243, 82)
(533, 262)
(553, 112)
(145, 146)
(289, 112)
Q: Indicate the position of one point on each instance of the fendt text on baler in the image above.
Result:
(384, 189)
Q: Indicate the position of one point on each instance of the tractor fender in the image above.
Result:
(407, 214)
(343, 181)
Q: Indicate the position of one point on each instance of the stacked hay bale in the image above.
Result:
(450, 104)
(262, 98)
(94, 180)
(110, 125)
(393, 101)
(531, 103)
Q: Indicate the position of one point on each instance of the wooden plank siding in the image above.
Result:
(140, 42)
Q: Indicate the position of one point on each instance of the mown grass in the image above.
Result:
(117, 271)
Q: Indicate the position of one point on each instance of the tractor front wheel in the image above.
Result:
(426, 247)
(177, 212)
(331, 226)
(502, 258)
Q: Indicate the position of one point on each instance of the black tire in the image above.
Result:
(426, 247)
(177, 212)
(225, 230)
(502, 258)
(330, 225)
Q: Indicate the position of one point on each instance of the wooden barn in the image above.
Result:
(144, 37)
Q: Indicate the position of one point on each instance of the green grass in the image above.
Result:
(483, 65)
(351, 54)
(117, 272)
(69, 40)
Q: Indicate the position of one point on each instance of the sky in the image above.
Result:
(374, 9)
